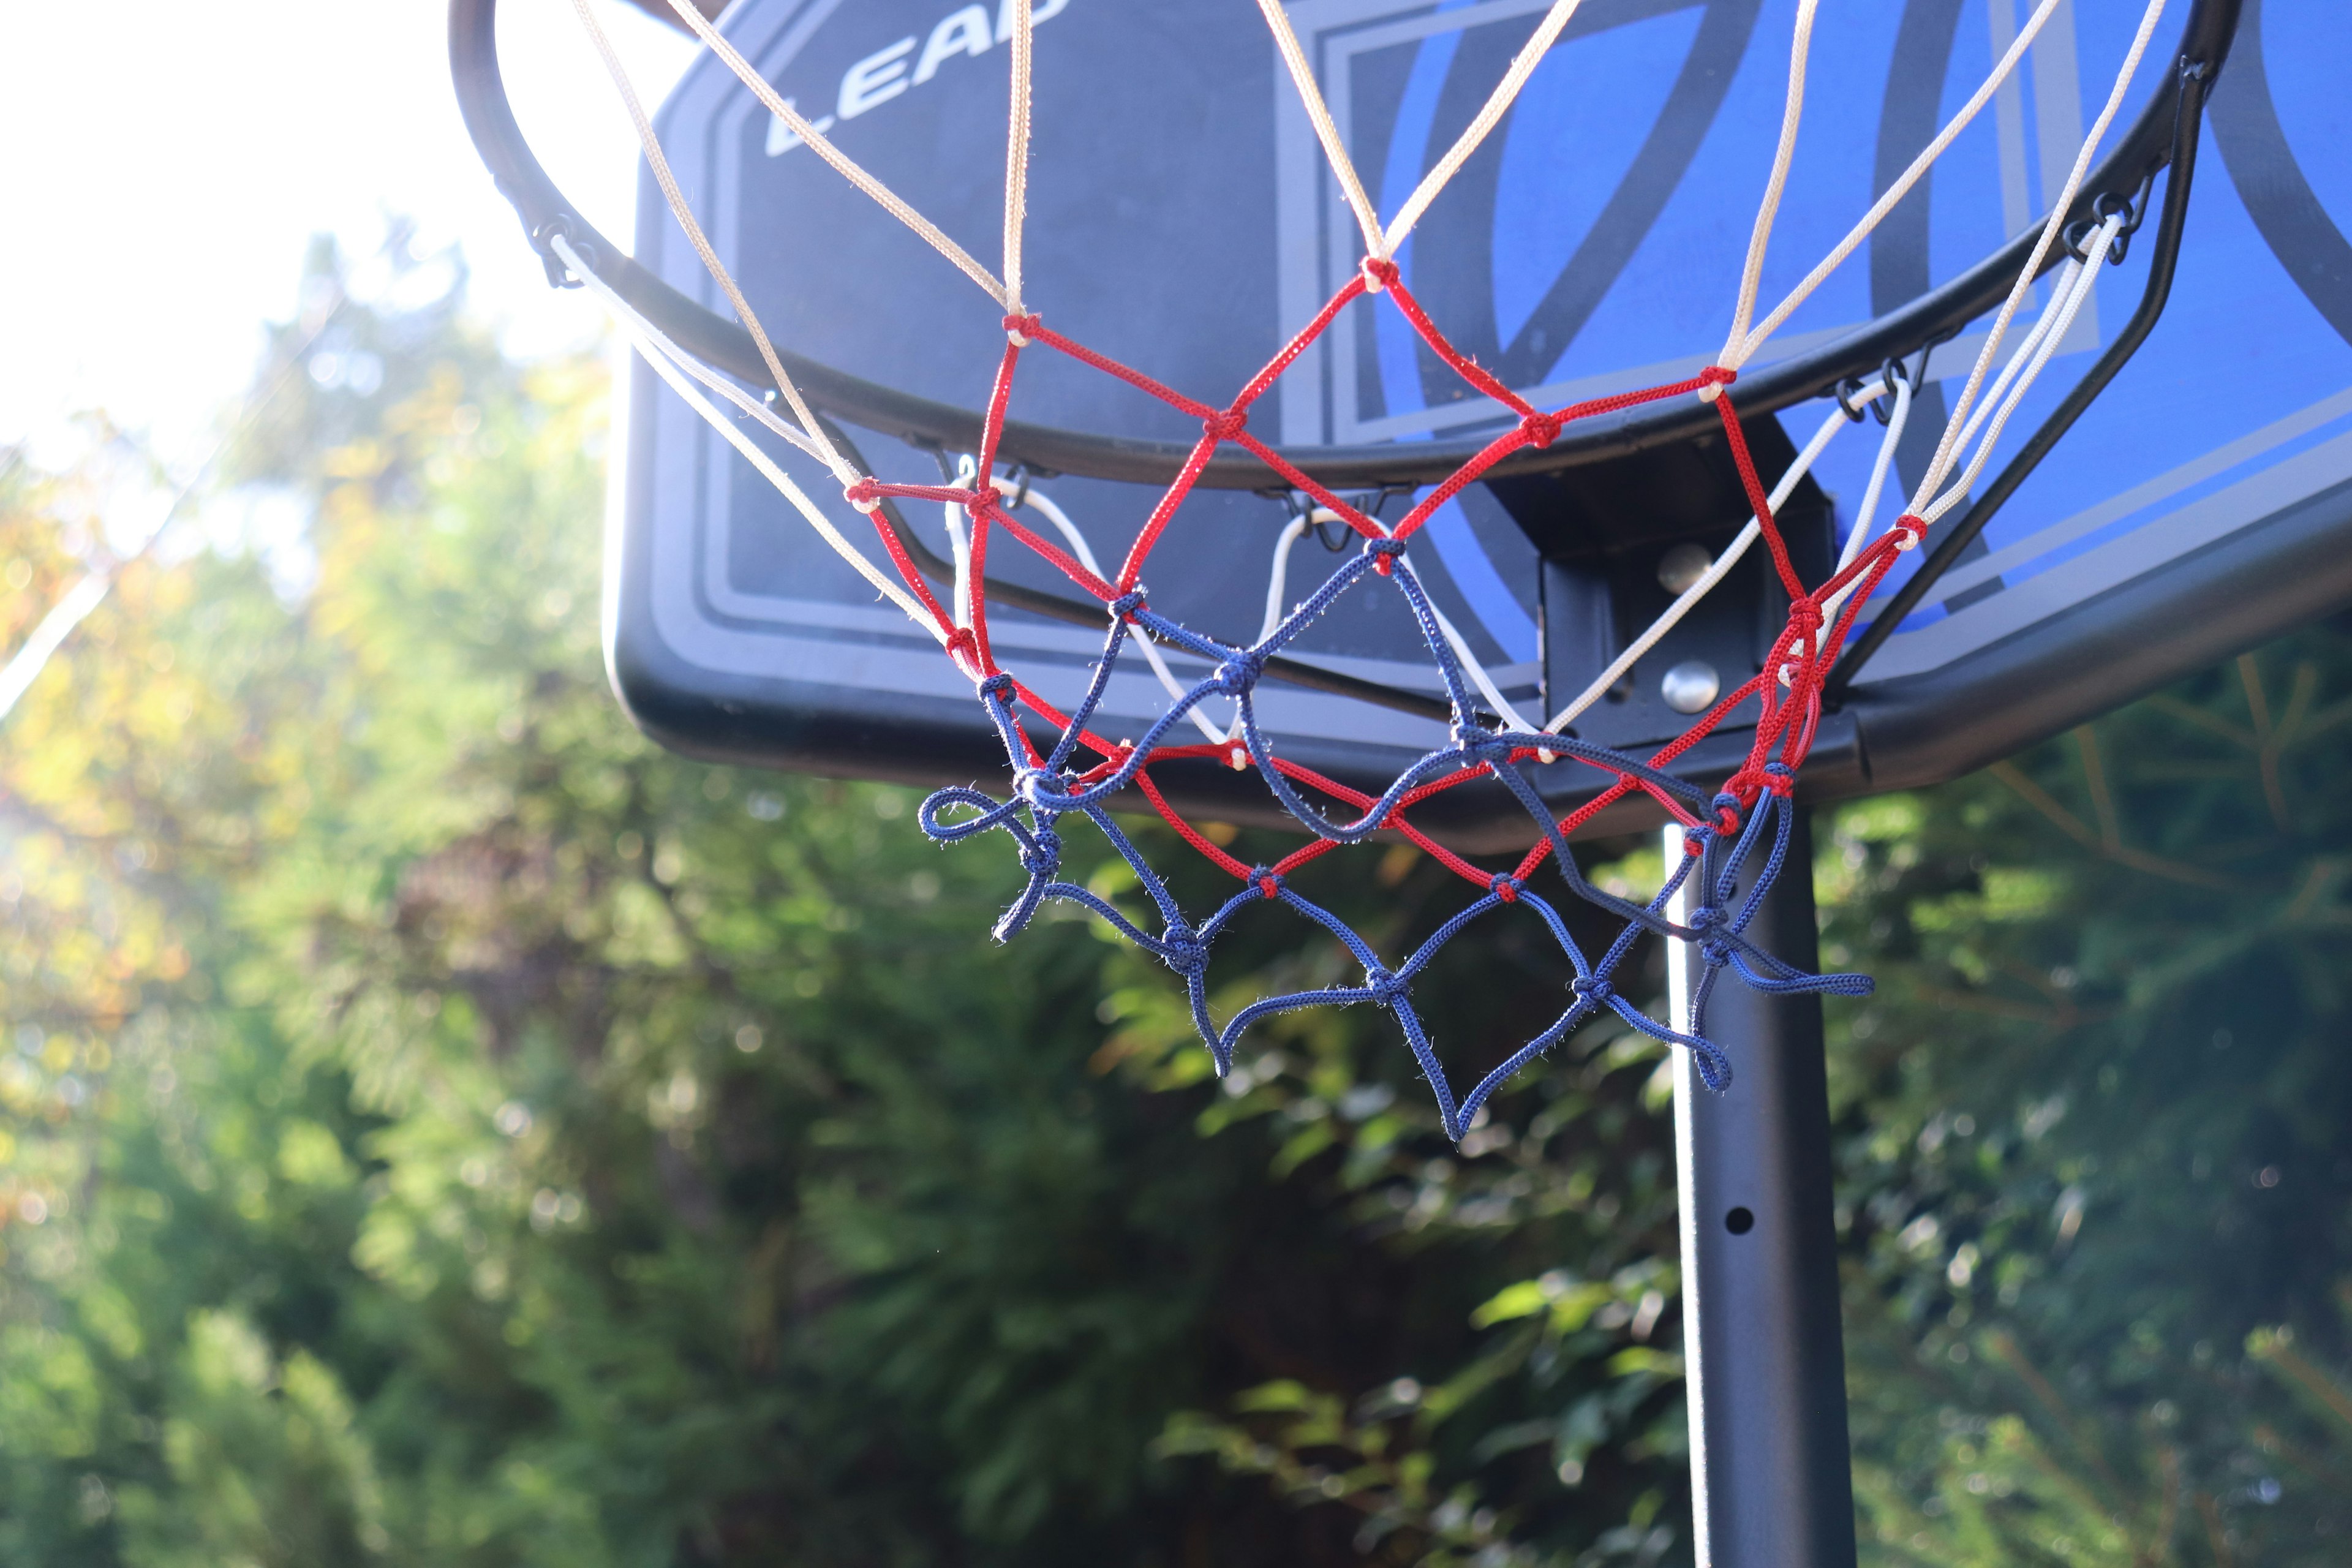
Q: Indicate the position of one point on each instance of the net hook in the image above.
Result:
(1019, 476)
(558, 271)
(2133, 209)
(1881, 407)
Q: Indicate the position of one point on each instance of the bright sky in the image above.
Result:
(173, 159)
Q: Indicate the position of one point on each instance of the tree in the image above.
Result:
(2097, 1134)
(442, 1129)
(535, 1147)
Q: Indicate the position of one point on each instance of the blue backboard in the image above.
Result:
(1182, 220)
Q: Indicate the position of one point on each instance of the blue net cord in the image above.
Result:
(1719, 850)
(1726, 834)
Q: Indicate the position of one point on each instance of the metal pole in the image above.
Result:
(1772, 1482)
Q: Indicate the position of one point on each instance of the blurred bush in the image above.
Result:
(438, 1128)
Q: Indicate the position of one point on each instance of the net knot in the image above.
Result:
(1726, 813)
(1505, 886)
(1126, 604)
(1593, 989)
(1384, 552)
(1805, 615)
(1182, 950)
(1268, 884)
(999, 686)
(1541, 429)
(1030, 784)
(1708, 932)
(962, 641)
(1385, 986)
(1239, 674)
(866, 495)
(1378, 273)
(1907, 531)
(1713, 379)
(1778, 778)
(1041, 856)
(1480, 744)
(1225, 423)
(1020, 329)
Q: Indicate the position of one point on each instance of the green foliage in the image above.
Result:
(438, 1128)
(260, 1462)
(446, 1130)
(2095, 1134)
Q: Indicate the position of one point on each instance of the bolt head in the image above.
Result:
(1691, 687)
(1682, 565)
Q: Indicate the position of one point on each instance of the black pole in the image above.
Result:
(1771, 1479)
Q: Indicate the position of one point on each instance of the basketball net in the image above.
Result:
(1736, 838)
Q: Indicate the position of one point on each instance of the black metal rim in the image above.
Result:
(1941, 312)
(2194, 84)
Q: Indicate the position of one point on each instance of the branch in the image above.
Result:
(2077, 829)
(2267, 740)
(2061, 1017)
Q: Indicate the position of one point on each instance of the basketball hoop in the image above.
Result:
(1065, 763)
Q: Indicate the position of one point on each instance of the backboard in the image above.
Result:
(1183, 221)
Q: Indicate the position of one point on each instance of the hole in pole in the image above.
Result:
(1740, 1222)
